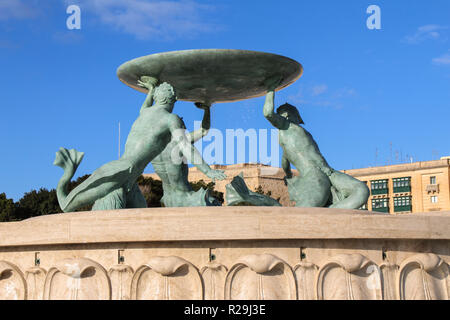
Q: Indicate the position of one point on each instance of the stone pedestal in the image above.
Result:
(226, 253)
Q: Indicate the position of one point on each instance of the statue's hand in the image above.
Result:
(216, 175)
(147, 82)
(273, 82)
(202, 106)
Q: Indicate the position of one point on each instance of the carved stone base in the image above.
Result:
(226, 253)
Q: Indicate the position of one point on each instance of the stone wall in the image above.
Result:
(226, 253)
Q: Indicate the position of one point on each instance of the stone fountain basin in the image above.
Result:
(212, 75)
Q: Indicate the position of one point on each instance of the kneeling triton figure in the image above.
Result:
(113, 185)
(318, 185)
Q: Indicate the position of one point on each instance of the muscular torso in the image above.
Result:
(300, 149)
(172, 174)
(148, 137)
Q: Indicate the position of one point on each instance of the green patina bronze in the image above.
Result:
(113, 186)
(206, 76)
(174, 176)
(173, 171)
(212, 75)
(239, 194)
(318, 185)
(158, 136)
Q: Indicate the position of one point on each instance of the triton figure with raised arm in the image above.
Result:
(318, 185)
(113, 185)
(173, 171)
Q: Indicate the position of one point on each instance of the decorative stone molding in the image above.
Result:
(35, 278)
(260, 277)
(305, 274)
(349, 277)
(167, 247)
(388, 280)
(121, 276)
(214, 275)
(12, 283)
(424, 277)
(167, 278)
(77, 279)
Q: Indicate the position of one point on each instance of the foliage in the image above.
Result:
(260, 190)
(37, 203)
(210, 186)
(152, 191)
(42, 202)
(7, 208)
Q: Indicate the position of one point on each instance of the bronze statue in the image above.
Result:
(113, 185)
(318, 185)
(174, 173)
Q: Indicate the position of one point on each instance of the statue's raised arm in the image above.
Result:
(150, 84)
(269, 113)
(189, 151)
(196, 135)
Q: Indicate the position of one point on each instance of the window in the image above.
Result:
(434, 199)
(402, 204)
(433, 180)
(379, 186)
(380, 205)
(402, 184)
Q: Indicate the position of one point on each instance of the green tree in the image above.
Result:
(260, 190)
(152, 191)
(37, 203)
(7, 208)
(43, 202)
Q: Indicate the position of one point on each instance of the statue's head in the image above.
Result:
(290, 112)
(165, 94)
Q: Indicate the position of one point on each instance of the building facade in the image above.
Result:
(395, 189)
(407, 188)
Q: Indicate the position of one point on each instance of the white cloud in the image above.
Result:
(345, 92)
(15, 9)
(319, 89)
(321, 96)
(442, 60)
(151, 19)
(427, 32)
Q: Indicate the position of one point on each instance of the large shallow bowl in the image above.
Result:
(212, 75)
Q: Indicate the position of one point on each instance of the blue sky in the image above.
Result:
(363, 92)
